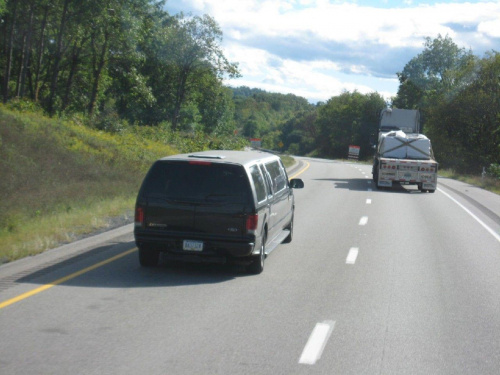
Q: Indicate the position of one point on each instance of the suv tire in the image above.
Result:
(257, 265)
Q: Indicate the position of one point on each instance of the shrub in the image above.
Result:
(494, 171)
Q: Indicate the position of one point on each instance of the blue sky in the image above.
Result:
(318, 48)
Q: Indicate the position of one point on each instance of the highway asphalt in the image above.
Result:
(374, 282)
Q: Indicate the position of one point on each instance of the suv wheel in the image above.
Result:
(257, 266)
(148, 257)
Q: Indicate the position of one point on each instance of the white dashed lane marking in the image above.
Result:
(363, 220)
(316, 343)
(352, 256)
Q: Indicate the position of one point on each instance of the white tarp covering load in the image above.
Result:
(399, 145)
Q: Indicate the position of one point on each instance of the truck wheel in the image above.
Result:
(288, 238)
(148, 257)
(257, 265)
(431, 191)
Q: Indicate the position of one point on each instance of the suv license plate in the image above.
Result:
(192, 245)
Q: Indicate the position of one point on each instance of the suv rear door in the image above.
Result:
(197, 198)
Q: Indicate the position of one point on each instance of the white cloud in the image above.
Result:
(314, 80)
(490, 28)
(305, 45)
(344, 22)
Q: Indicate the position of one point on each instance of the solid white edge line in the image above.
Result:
(352, 256)
(492, 232)
(317, 342)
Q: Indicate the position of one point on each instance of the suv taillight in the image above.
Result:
(139, 216)
(251, 224)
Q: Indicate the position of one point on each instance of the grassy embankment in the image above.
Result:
(60, 180)
(487, 183)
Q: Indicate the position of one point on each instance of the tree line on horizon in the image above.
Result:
(119, 63)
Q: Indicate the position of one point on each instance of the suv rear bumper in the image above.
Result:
(212, 247)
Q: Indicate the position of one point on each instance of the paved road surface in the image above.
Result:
(374, 282)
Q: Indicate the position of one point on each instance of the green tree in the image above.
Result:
(263, 113)
(252, 127)
(191, 49)
(431, 73)
(349, 118)
(216, 107)
(299, 134)
(465, 128)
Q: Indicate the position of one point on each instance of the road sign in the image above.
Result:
(353, 152)
(256, 142)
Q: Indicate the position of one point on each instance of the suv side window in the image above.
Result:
(267, 179)
(283, 171)
(277, 175)
(258, 182)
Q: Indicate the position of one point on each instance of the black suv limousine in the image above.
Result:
(215, 206)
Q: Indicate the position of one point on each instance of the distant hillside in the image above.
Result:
(245, 92)
(261, 114)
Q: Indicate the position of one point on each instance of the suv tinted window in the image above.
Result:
(204, 182)
(258, 182)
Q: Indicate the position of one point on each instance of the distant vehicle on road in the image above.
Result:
(215, 206)
(403, 155)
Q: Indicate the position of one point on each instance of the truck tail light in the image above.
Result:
(139, 216)
(428, 168)
(251, 223)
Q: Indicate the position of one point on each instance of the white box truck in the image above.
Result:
(403, 155)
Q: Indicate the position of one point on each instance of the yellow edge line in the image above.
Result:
(302, 171)
(63, 279)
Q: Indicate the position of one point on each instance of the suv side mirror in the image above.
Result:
(296, 183)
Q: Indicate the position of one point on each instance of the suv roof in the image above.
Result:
(224, 156)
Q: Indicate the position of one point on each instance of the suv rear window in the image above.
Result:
(198, 182)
